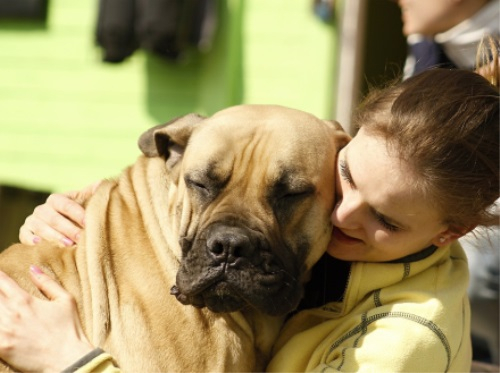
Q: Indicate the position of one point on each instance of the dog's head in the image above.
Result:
(254, 190)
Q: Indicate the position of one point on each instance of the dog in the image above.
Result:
(191, 257)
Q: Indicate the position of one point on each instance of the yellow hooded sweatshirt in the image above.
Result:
(403, 316)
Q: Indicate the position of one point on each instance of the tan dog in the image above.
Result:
(227, 213)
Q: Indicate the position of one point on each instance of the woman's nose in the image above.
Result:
(346, 213)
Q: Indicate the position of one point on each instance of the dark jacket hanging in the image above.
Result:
(164, 27)
(115, 29)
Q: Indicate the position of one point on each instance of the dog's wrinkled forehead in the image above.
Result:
(270, 136)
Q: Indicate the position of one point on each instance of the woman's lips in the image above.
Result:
(344, 238)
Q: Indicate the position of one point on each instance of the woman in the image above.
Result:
(390, 293)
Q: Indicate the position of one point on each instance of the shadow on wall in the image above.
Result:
(385, 44)
(15, 205)
(33, 11)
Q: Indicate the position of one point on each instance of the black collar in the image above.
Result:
(428, 251)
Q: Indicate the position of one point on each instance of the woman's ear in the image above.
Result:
(449, 235)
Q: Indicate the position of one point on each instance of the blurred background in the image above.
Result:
(80, 80)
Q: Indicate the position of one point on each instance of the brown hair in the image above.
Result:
(445, 125)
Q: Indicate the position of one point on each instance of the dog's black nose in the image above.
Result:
(230, 244)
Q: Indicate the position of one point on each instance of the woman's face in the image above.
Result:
(379, 215)
(430, 17)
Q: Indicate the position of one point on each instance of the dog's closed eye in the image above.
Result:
(298, 193)
(291, 187)
(197, 185)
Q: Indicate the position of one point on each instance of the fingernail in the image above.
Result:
(36, 270)
(36, 239)
(67, 241)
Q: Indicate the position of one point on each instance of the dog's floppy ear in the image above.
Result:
(341, 137)
(169, 139)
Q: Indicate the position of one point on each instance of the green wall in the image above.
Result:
(68, 119)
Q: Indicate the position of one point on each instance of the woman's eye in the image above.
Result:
(386, 224)
(346, 173)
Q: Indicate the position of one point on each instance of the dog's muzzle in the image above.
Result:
(230, 267)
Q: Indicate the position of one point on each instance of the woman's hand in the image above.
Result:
(38, 335)
(60, 219)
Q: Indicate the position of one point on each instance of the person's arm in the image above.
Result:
(60, 219)
(45, 335)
